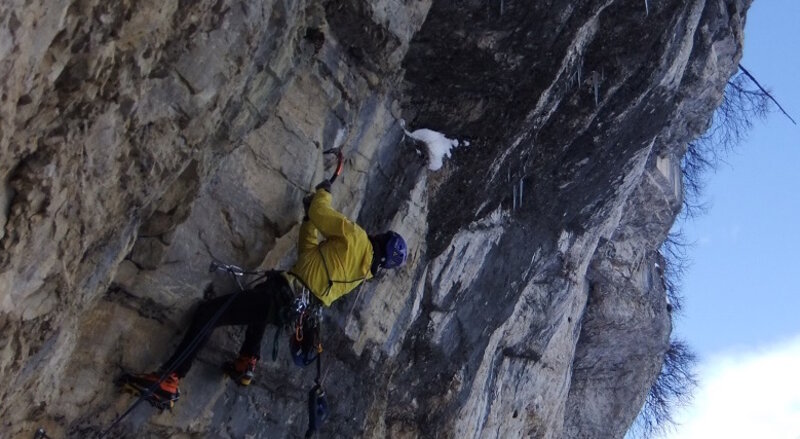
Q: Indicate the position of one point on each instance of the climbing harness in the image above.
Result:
(304, 333)
(236, 273)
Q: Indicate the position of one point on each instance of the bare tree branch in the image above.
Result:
(741, 105)
(672, 389)
(744, 70)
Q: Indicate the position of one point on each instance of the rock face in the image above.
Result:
(139, 140)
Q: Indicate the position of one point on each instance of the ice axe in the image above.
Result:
(329, 181)
(337, 151)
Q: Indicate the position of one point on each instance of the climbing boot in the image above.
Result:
(161, 395)
(242, 370)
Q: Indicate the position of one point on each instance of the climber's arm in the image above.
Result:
(307, 241)
(329, 222)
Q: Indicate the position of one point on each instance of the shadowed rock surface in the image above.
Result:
(139, 140)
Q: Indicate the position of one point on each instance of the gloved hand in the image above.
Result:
(325, 184)
(306, 205)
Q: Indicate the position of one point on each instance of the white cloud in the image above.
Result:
(747, 395)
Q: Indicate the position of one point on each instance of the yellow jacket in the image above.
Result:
(338, 264)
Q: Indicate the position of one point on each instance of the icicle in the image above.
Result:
(520, 192)
(502, 6)
(646, 8)
(596, 83)
(514, 198)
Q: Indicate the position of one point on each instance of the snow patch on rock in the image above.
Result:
(438, 145)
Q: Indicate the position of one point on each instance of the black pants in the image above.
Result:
(257, 308)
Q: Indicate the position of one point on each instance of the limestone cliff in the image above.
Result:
(139, 140)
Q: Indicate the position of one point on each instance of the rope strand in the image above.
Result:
(186, 352)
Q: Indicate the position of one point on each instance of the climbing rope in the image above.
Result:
(236, 273)
(317, 403)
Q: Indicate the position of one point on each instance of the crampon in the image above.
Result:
(161, 395)
(242, 370)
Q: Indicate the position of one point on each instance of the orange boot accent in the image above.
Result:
(243, 369)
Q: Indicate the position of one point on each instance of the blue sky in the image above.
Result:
(742, 302)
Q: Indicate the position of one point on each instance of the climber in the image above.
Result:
(328, 270)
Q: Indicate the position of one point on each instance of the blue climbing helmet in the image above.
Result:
(395, 251)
